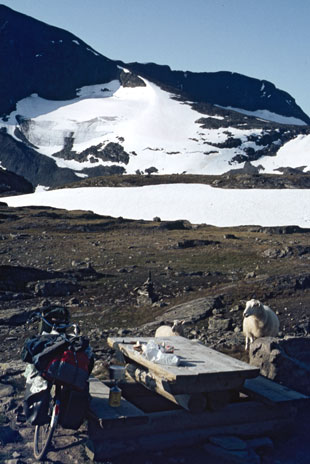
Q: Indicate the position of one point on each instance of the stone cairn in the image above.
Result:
(146, 294)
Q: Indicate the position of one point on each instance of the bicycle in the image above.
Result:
(43, 434)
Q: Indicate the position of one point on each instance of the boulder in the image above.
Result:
(9, 435)
(54, 287)
(13, 317)
(216, 323)
(188, 243)
(286, 361)
(175, 225)
(194, 310)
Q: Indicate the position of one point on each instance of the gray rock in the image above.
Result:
(285, 361)
(194, 311)
(217, 324)
(54, 287)
(5, 390)
(228, 442)
(14, 367)
(7, 405)
(13, 317)
(229, 236)
(8, 435)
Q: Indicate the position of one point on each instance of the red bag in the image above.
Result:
(71, 368)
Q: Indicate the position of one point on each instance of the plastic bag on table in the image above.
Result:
(153, 353)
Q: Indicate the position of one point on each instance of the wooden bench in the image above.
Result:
(100, 410)
(130, 429)
(271, 393)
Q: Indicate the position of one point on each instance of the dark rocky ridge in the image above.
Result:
(247, 177)
(38, 169)
(111, 152)
(45, 60)
(54, 63)
(222, 88)
(12, 184)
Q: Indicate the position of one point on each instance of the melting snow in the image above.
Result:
(295, 154)
(155, 129)
(268, 116)
(195, 202)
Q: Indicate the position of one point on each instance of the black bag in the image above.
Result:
(73, 409)
(72, 366)
(36, 406)
(41, 349)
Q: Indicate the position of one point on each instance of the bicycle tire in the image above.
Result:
(40, 448)
(43, 434)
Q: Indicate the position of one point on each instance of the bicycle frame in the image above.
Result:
(43, 434)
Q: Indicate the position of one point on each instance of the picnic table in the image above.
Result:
(161, 415)
(203, 374)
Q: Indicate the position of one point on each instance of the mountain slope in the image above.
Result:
(227, 89)
(69, 112)
(45, 60)
(114, 129)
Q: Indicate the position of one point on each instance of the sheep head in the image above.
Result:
(178, 327)
(253, 308)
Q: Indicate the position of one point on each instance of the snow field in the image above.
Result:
(155, 129)
(196, 203)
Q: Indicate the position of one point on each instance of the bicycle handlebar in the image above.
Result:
(38, 316)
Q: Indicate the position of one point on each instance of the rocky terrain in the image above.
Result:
(100, 268)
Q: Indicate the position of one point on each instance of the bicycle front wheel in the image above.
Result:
(43, 434)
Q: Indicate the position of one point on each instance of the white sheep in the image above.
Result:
(259, 321)
(167, 331)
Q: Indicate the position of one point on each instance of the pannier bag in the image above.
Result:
(59, 360)
(36, 406)
(41, 349)
(70, 368)
(74, 405)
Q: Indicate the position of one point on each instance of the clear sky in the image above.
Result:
(266, 39)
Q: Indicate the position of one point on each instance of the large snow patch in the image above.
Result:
(195, 202)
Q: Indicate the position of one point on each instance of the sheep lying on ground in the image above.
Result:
(167, 331)
(259, 321)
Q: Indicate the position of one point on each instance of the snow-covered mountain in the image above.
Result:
(69, 112)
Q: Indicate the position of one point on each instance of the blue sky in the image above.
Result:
(266, 39)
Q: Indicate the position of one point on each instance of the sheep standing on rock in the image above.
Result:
(167, 331)
(259, 321)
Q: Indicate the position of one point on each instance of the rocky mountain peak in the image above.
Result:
(45, 60)
(222, 88)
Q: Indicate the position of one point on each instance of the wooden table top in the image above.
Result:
(201, 368)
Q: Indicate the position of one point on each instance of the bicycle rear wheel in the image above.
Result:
(43, 434)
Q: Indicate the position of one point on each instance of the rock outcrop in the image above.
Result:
(286, 361)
